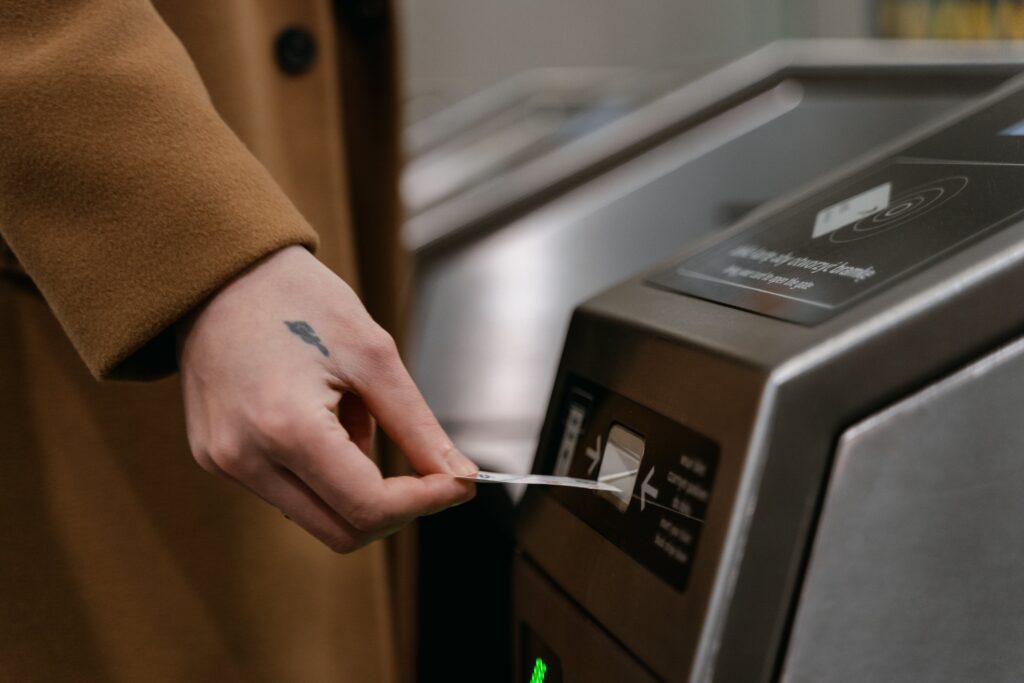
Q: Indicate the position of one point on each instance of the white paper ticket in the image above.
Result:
(544, 479)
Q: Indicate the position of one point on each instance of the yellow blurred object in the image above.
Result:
(1009, 20)
(951, 19)
(905, 19)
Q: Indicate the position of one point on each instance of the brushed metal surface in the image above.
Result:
(916, 573)
(493, 309)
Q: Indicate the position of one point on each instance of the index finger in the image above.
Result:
(401, 411)
(352, 485)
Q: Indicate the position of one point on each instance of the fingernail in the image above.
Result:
(458, 464)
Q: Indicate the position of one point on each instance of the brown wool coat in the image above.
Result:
(147, 155)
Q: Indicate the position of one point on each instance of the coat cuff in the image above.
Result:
(120, 355)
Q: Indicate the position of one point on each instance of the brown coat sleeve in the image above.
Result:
(122, 192)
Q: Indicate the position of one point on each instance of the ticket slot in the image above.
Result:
(664, 470)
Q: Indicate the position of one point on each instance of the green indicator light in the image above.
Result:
(539, 670)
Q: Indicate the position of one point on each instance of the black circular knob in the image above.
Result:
(295, 50)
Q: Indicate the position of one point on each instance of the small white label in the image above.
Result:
(851, 210)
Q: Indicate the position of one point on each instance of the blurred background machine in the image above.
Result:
(815, 419)
(473, 155)
(495, 291)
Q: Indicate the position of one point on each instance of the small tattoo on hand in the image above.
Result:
(305, 332)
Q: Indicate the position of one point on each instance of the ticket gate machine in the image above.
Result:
(815, 419)
(509, 261)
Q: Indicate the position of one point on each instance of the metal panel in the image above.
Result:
(585, 651)
(916, 570)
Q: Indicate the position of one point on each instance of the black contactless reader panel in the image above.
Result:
(849, 241)
(665, 472)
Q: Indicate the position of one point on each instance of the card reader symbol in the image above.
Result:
(851, 210)
(902, 210)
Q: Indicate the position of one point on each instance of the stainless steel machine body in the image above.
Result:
(816, 415)
(918, 548)
(500, 273)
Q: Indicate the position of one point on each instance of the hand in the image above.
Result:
(283, 372)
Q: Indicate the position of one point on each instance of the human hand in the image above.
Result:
(283, 372)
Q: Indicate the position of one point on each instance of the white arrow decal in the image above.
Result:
(647, 490)
(594, 453)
